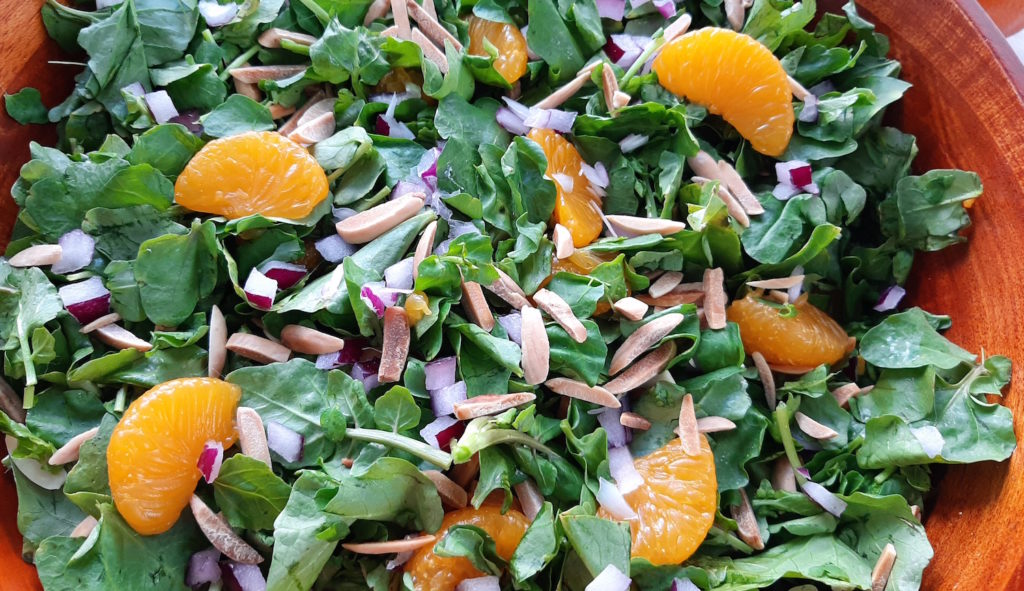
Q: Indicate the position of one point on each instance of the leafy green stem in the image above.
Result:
(317, 11)
(238, 61)
(782, 415)
(476, 438)
(26, 359)
(417, 448)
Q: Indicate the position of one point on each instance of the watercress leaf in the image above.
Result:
(117, 56)
(459, 79)
(26, 106)
(906, 340)
(175, 272)
(238, 114)
(249, 493)
(400, 156)
(783, 228)
(392, 489)
(396, 410)
(162, 365)
(191, 85)
(598, 542)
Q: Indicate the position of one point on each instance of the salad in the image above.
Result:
(480, 295)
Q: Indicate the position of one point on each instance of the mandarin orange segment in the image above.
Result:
(152, 455)
(675, 505)
(431, 572)
(576, 204)
(805, 340)
(252, 173)
(507, 39)
(734, 76)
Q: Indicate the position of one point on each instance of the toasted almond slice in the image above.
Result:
(218, 339)
(714, 424)
(844, 393)
(689, 435)
(570, 88)
(563, 242)
(428, 5)
(778, 296)
(714, 298)
(367, 225)
(37, 256)
(491, 404)
(293, 121)
(395, 350)
(400, 13)
(634, 421)
(536, 349)
(248, 89)
(767, 379)
(507, 289)
(11, 403)
(252, 437)
(620, 100)
(643, 370)
(430, 27)
(116, 336)
(451, 493)
(798, 90)
(777, 283)
(611, 86)
(559, 310)
(257, 348)
(377, 10)
(883, 568)
(642, 339)
(430, 51)
(733, 206)
(475, 305)
(792, 370)
(581, 391)
(463, 474)
(530, 499)
(704, 165)
(735, 13)
(302, 339)
(783, 476)
(84, 527)
(814, 428)
(671, 299)
(629, 225)
(630, 308)
(271, 38)
(316, 110)
(280, 111)
(100, 322)
(746, 521)
(666, 283)
(391, 546)
(678, 27)
(315, 130)
(738, 187)
(68, 452)
(424, 247)
(220, 534)
(253, 74)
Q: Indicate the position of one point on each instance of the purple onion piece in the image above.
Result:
(260, 290)
(161, 106)
(823, 497)
(554, 119)
(610, 579)
(399, 275)
(86, 300)
(488, 583)
(210, 460)
(190, 119)
(611, 9)
(432, 431)
(513, 325)
(442, 400)
(242, 577)
(632, 142)
(216, 14)
(890, 298)
(334, 249)
(809, 112)
(440, 373)
(609, 419)
(203, 568)
(623, 470)
(285, 274)
(683, 585)
(667, 8)
(510, 122)
(284, 442)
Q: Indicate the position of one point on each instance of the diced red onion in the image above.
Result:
(284, 442)
(637, 3)
(510, 122)
(343, 213)
(801, 175)
(216, 14)
(456, 228)
(412, 91)
(554, 119)
(378, 297)
(242, 577)
(822, 88)
(135, 88)
(931, 440)
(804, 472)
(794, 292)
(86, 300)
(440, 432)
(399, 559)
(530, 498)
(596, 174)
(161, 106)
(667, 8)
(328, 361)
(564, 180)
(610, 579)
(513, 325)
(427, 166)
(809, 112)
(399, 275)
(406, 187)
(784, 191)
(260, 290)
(442, 400)
(366, 374)
(349, 354)
(489, 583)
(611, 499)
(890, 298)
(285, 274)
(620, 464)
(395, 128)
(822, 496)
(521, 110)
(77, 249)
(334, 249)
(611, 9)
(609, 419)
(440, 373)
(683, 585)
(624, 49)
(210, 460)
(190, 119)
(632, 142)
(203, 568)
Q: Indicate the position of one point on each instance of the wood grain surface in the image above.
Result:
(1007, 14)
(967, 110)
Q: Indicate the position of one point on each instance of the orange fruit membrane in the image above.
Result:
(675, 505)
(734, 76)
(153, 451)
(576, 204)
(507, 39)
(431, 572)
(805, 340)
(252, 173)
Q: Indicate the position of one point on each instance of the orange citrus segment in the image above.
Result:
(734, 76)
(252, 173)
(151, 459)
(507, 39)
(675, 505)
(573, 207)
(806, 340)
(431, 572)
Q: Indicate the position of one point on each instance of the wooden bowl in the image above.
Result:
(967, 111)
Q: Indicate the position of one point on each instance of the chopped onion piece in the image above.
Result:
(610, 579)
(378, 297)
(161, 106)
(611, 499)
(520, 110)
(203, 568)
(406, 187)
(609, 419)
(632, 142)
(394, 127)
(794, 292)
(284, 442)
(612, 9)
(890, 298)
(242, 577)
(554, 119)
(328, 361)
(86, 300)
(216, 14)
(190, 119)
(667, 8)
(366, 374)
(620, 464)
(399, 559)
(683, 585)
(809, 112)
(76, 250)
(597, 174)
(210, 460)
(442, 400)
(638, 3)
(489, 583)
(784, 191)
(440, 373)
(427, 166)
(800, 175)
(285, 274)
(513, 325)
(511, 122)
(822, 496)
(930, 438)
(399, 275)
(260, 290)
(624, 50)
(440, 432)
(334, 249)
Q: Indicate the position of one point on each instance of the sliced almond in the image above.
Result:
(666, 283)
(581, 391)
(475, 305)
(678, 27)
(783, 477)
(778, 283)
(738, 187)
(714, 424)
(630, 308)
(611, 87)
(714, 298)
(689, 435)
(309, 341)
(280, 111)
(116, 336)
(491, 404)
(463, 474)
(530, 499)
(272, 38)
(675, 298)
(428, 5)
(391, 546)
(642, 339)
(424, 247)
(704, 165)
(315, 130)
(84, 527)
(570, 88)
(507, 289)
(629, 225)
(883, 568)
(248, 89)
(39, 255)
(400, 13)
(395, 350)
(564, 246)
(844, 393)
(252, 437)
(430, 51)
(778, 296)
(798, 90)
(253, 74)
(634, 421)
(293, 121)
(767, 379)
(218, 340)
(746, 522)
(367, 225)
(814, 428)
(257, 348)
(220, 534)
(451, 493)
(68, 452)
(536, 349)
(377, 10)
(560, 312)
(100, 322)
(11, 403)
(735, 13)
(316, 110)
(430, 27)
(646, 368)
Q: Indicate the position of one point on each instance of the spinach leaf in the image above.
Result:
(396, 410)
(927, 212)
(473, 123)
(540, 544)
(43, 513)
(598, 542)
(391, 489)
(907, 340)
(60, 415)
(550, 38)
(343, 53)
(474, 544)
(249, 493)
(581, 361)
(120, 232)
(167, 148)
(175, 272)
(238, 114)
(88, 485)
(26, 106)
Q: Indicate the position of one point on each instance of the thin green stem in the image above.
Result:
(294, 47)
(419, 449)
(317, 11)
(885, 474)
(655, 45)
(238, 61)
(782, 422)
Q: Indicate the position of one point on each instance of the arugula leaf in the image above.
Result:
(249, 493)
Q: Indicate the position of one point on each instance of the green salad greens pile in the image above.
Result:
(157, 86)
